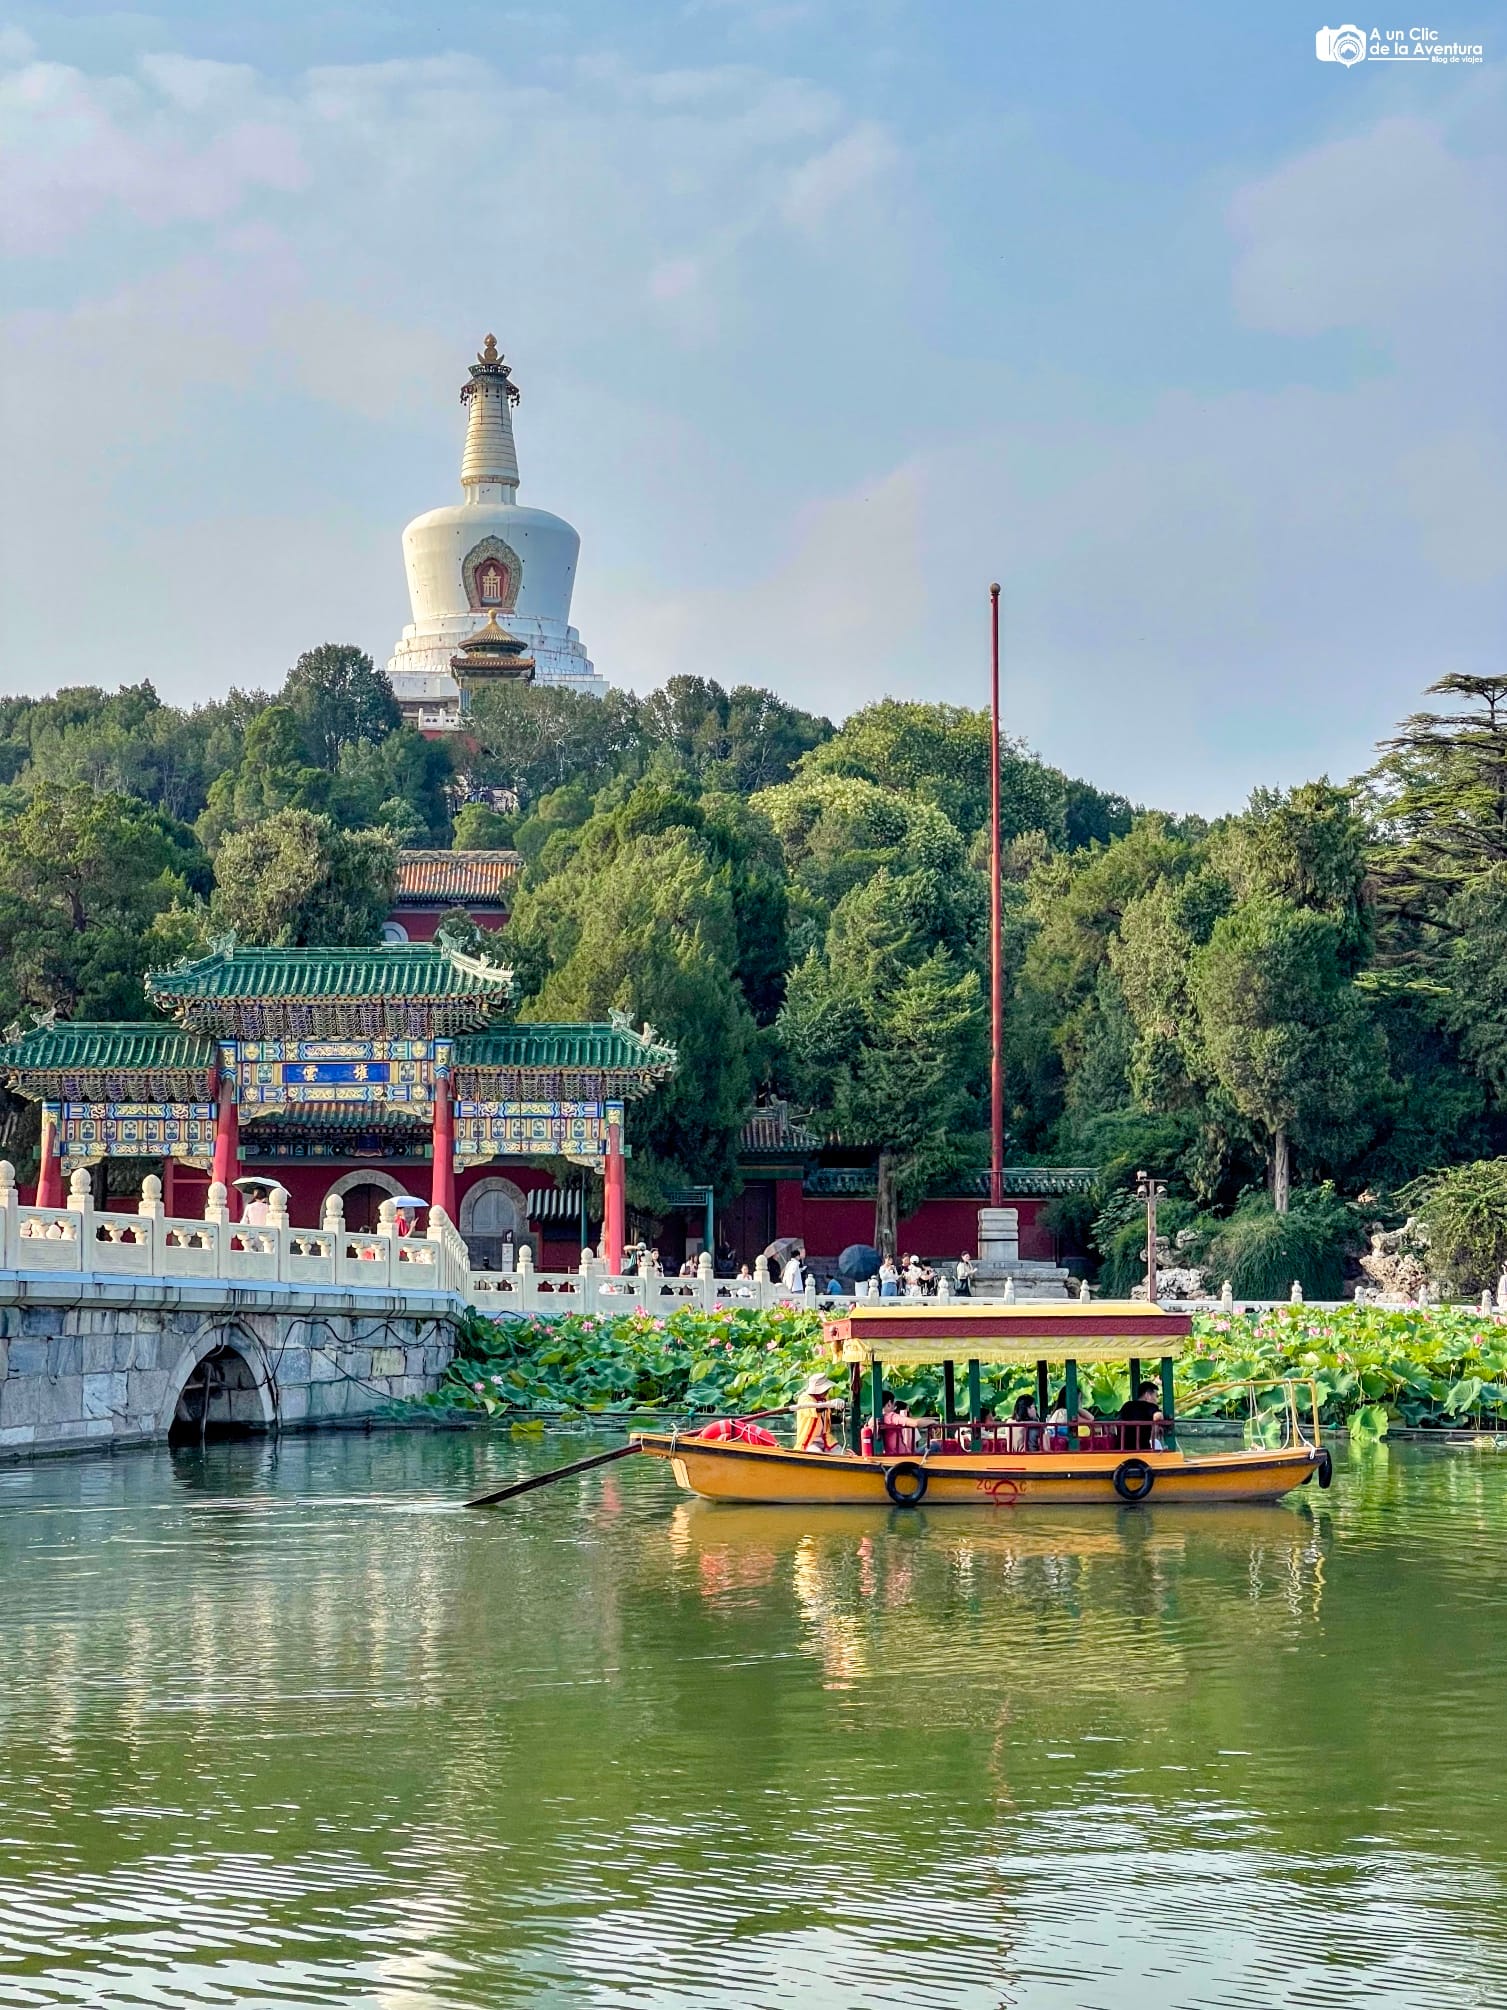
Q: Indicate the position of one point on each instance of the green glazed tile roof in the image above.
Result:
(85, 1047)
(358, 1117)
(563, 1047)
(415, 970)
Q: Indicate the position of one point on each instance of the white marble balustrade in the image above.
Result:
(83, 1240)
(80, 1239)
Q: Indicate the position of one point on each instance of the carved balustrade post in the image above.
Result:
(81, 1205)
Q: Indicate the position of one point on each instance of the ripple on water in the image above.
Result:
(283, 1728)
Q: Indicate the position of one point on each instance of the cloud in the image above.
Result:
(1392, 230)
(828, 180)
(160, 146)
(241, 382)
(844, 586)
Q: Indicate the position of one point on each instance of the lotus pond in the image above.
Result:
(1371, 1366)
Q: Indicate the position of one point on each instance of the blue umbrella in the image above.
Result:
(858, 1262)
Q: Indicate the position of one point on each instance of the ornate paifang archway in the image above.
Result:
(481, 565)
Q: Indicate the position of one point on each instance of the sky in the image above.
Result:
(826, 313)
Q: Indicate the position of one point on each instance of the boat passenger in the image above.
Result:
(813, 1417)
(1024, 1413)
(1140, 1420)
(895, 1426)
(1058, 1438)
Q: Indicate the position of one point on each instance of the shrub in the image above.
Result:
(1261, 1252)
(1464, 1209)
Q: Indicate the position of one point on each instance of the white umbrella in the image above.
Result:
(408, 1200)
(257, 1179)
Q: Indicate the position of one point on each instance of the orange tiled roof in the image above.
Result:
(456, 878)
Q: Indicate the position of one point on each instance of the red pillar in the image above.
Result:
(996, 932)
(442, 1181)
(614, 1226)
(227, 1160)
(169, 1187)
(50, 1173)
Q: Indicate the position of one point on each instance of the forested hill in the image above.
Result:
(1307, 995)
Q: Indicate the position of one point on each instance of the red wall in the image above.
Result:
(421, 922)
(827, 1224)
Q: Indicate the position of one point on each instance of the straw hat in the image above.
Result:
(817, 1385)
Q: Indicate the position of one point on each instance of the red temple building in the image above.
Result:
(432, 884)
(364, 1073)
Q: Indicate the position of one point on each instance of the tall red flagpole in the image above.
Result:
(996, 945)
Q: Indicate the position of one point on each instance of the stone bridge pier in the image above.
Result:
(95, 1361)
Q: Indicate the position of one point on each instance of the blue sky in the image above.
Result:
(825, 314)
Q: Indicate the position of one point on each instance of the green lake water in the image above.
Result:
(281, 1725)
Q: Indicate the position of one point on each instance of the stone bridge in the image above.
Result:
(130, 1328)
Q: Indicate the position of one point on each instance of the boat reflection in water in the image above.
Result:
(1042, 1595)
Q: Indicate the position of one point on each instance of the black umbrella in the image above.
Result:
(858, 1262)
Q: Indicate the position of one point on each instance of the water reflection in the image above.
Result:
(284, 1726)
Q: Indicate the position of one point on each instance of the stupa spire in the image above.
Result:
(489, 465)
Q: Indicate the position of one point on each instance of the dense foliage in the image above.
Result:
(1369, 1366)
(1290, 1014)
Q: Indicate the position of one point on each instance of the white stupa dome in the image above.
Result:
(485, 554)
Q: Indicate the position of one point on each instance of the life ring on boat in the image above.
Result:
(1133, 1479)
(1326, 1467)
(906, 1483)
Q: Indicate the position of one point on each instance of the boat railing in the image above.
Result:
(1277, 1425)
(1014, 1438)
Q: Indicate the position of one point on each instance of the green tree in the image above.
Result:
(479, 828)
(1308, 846)
(895, 1066)
(339, 696)
(401, 783)
(939, 754)
(82, 879)
(272, 774)
(295, 879)
(532, 738)
(1285, 1035)
(642, 921)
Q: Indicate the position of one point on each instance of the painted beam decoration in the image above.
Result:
(507, 1129)
(89, 1132)
(276, 1073)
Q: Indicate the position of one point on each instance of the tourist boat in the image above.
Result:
(968, 1458)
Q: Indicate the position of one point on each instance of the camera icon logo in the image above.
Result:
(1345, 45)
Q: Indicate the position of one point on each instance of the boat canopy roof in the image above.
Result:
(914, 1334)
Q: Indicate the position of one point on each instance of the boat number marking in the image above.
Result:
(1003, 1492)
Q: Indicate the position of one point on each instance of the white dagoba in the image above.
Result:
(486, 555)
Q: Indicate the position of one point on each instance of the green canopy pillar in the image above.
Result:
(1169, 1434)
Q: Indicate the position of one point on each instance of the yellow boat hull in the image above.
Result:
(722, 1471)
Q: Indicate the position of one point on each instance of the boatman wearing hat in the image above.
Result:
(813, 1417)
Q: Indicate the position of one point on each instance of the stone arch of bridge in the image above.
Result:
(222, 1385)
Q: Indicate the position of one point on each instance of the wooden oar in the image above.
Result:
(546, 1479)
(588, 1465)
